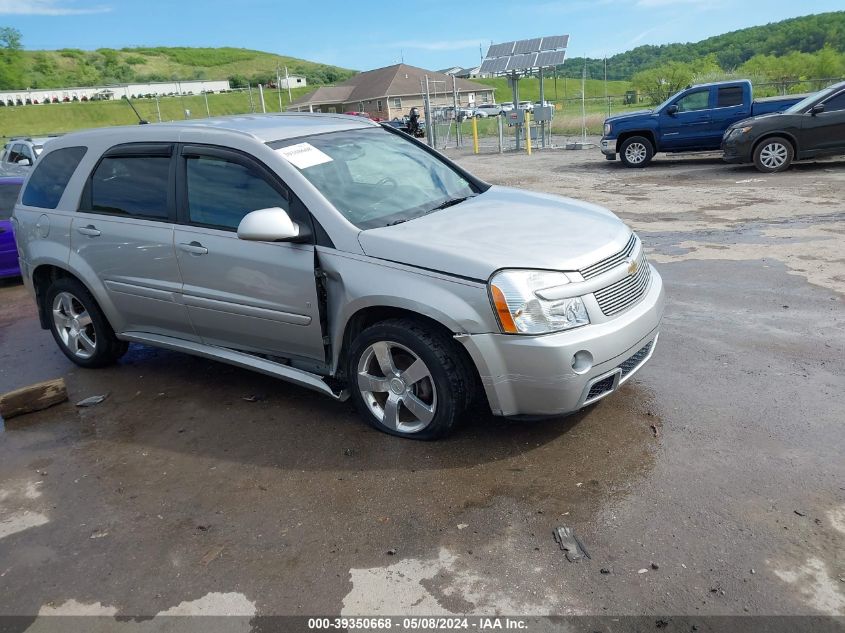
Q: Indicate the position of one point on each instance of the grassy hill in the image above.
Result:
(74, 67)
(806, 34)
(561, 89)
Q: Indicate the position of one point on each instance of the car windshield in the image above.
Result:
(375, 177)
(807, 101)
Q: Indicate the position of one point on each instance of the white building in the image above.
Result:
(59, 95)
(293, 81)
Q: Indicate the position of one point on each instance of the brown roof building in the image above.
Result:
(391, 92)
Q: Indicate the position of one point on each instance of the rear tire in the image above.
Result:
(408, 379)
(79, 326)
(773, 155)
(636, 151)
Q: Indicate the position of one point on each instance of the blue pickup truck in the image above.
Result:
(692, 120)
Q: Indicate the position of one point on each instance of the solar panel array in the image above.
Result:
(538, 52)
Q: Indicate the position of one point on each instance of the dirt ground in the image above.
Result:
(712, 484)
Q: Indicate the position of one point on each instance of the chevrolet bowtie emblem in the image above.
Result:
(632, 267)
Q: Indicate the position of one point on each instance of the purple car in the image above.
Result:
(9, 188)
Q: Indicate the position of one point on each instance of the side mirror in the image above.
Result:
(817, 109)
(268, 225)
(673, 109)
(24, 162)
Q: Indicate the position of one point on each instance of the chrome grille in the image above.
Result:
(611, 262)
(621, 295)
(636, 360)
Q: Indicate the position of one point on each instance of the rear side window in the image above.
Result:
(730, 96)
(222, 192)
(132, 185)
(8, 197)
(51, 175)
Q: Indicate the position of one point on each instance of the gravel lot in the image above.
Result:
(712, 484)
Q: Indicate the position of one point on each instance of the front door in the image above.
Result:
(8, 251)
(251, 296)
(123, 231)
(825, 132)
(689, 127)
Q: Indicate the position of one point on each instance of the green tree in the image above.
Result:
(11, 58)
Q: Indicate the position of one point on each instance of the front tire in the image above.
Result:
(79, 327)
(408, 379)
(636, 151)
(773, 155)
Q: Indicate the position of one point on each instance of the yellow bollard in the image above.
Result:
(528, 132)
(474, 135)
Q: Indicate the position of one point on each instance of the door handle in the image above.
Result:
(90, 230)
(194, 248)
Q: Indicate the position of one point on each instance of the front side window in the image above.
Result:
(51, 175)
(27, 153)
(694, 101)
(835, 104)
(132, 185)
(221, 192)
(375, 177)
(16, 154)
(8, 197)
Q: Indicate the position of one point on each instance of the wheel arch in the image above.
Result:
(780, 134)
(373, 314)
(44, 275)
(647, 134)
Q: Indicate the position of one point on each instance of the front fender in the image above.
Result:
(355, 283)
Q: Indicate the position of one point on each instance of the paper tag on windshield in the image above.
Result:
(304, 155)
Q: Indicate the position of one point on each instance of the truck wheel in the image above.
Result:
(636, 151)
(80, 327)
(773, 155)
(409, 380)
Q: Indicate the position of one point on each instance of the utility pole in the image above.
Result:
(251, 103)
(287, 79)
(205, 94)
(279, 84)
(261, 96)
(455, 110)
(158, 109)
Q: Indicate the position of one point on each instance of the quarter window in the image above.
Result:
(132, 185)
(694, 101)
(221, 192)
(51, 175)
(730, 96)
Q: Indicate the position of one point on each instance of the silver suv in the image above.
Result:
(339, 255)
(19, 154)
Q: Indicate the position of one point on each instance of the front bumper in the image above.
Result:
(533, 375)
(608, 146)
(737, 149)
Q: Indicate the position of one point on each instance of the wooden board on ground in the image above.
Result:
(32, 398)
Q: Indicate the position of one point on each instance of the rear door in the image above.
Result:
(123, 231)
(689, 127)
(825, 132)
(728, 109)
(251, 296)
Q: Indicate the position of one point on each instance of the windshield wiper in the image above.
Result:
(443, 205)
(448, 203)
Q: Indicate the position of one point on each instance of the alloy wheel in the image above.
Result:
(397, 387)
(635, 153)
(74, 325)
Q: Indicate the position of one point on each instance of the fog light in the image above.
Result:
(582, 362)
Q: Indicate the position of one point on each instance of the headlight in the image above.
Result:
(607, 129)
(522, 311)
(738, 131)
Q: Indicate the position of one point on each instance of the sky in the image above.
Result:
(354, 34)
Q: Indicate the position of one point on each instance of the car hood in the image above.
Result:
(628, 115)
(502, 228)
(760, 117)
